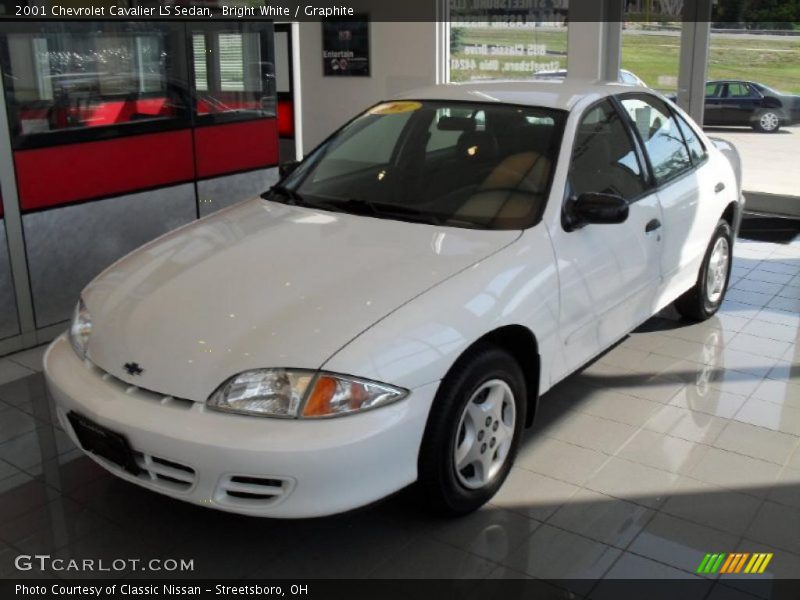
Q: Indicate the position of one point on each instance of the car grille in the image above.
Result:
(145, 394)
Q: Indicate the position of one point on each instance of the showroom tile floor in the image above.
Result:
(683, 439)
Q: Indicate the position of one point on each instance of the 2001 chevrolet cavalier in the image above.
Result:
(392, 310)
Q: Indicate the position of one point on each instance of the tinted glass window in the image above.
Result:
(603, 159)
(696, 148)
(739, 90)
(366, 148)
(67, 78)
(486, 166)
(659, 131)
(450, 123)
(234, 72)
(712, 90)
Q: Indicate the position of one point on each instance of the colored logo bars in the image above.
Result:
(738, 562)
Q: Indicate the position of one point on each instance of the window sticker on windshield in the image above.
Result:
(395, 108)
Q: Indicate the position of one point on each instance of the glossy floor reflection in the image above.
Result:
(683, 439)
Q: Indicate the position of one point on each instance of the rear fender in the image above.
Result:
(732, 154)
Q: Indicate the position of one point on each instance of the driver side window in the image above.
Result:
(603, 159)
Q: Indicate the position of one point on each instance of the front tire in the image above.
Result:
(767, 121)
(704, 299)
(473, 432)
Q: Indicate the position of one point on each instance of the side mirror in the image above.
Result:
(595, 208)
(286, 168)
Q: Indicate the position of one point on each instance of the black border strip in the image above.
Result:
(403, 589)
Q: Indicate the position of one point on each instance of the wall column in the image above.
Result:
(16, 239)
(594, 40)
(695, 40)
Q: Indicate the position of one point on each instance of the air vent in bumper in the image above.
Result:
(165, 473)
(247, 490)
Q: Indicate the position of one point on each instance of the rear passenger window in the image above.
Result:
(739, 90)
(662, 139)
(604, 160)
(696, 148)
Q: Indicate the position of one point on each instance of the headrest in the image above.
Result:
(477, 145)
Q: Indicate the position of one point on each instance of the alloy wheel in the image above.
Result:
(769, 121)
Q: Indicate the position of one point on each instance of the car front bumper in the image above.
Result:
(285, 468)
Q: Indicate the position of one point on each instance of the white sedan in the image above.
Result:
(391, 311)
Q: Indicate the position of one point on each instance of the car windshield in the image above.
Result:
(486, 166)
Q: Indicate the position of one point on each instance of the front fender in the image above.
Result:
(418, 343)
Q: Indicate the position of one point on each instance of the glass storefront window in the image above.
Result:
(753, 102)
(651, 46)
(508, 43)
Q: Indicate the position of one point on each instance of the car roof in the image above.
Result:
(560, 94)
(732, 81)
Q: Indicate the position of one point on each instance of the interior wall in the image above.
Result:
(403, 56)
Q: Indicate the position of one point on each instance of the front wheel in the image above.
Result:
(473, 432)
(767, 121)
(705, 298)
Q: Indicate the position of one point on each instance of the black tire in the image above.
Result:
(699, 303)
(767, 121)
(439, 485)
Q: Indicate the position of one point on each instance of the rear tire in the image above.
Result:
(705, 298)
(767, 121)
(473, 432)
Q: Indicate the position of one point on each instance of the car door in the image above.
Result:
(740, 103)
(714, 104)
(682, 180)
(609, 274)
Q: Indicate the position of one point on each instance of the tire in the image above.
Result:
(463, 398)
(767, 121)
(705, 298)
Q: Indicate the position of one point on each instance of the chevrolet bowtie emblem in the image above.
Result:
(133, 368)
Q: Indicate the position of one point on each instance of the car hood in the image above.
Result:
(263, 285)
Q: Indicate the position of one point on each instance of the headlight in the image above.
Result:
(80, 329)
(298, 393)
(268, 392)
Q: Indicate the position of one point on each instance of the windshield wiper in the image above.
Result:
(359, 206)
(291, 196)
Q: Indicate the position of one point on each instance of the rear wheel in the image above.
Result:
(767, 121)
(473, 432)
(705, 298)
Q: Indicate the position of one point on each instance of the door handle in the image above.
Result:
(719, 187)
(652, 226)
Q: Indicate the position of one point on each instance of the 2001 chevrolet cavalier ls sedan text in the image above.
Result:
(390, 312)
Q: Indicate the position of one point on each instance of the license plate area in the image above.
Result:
(99, 440)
